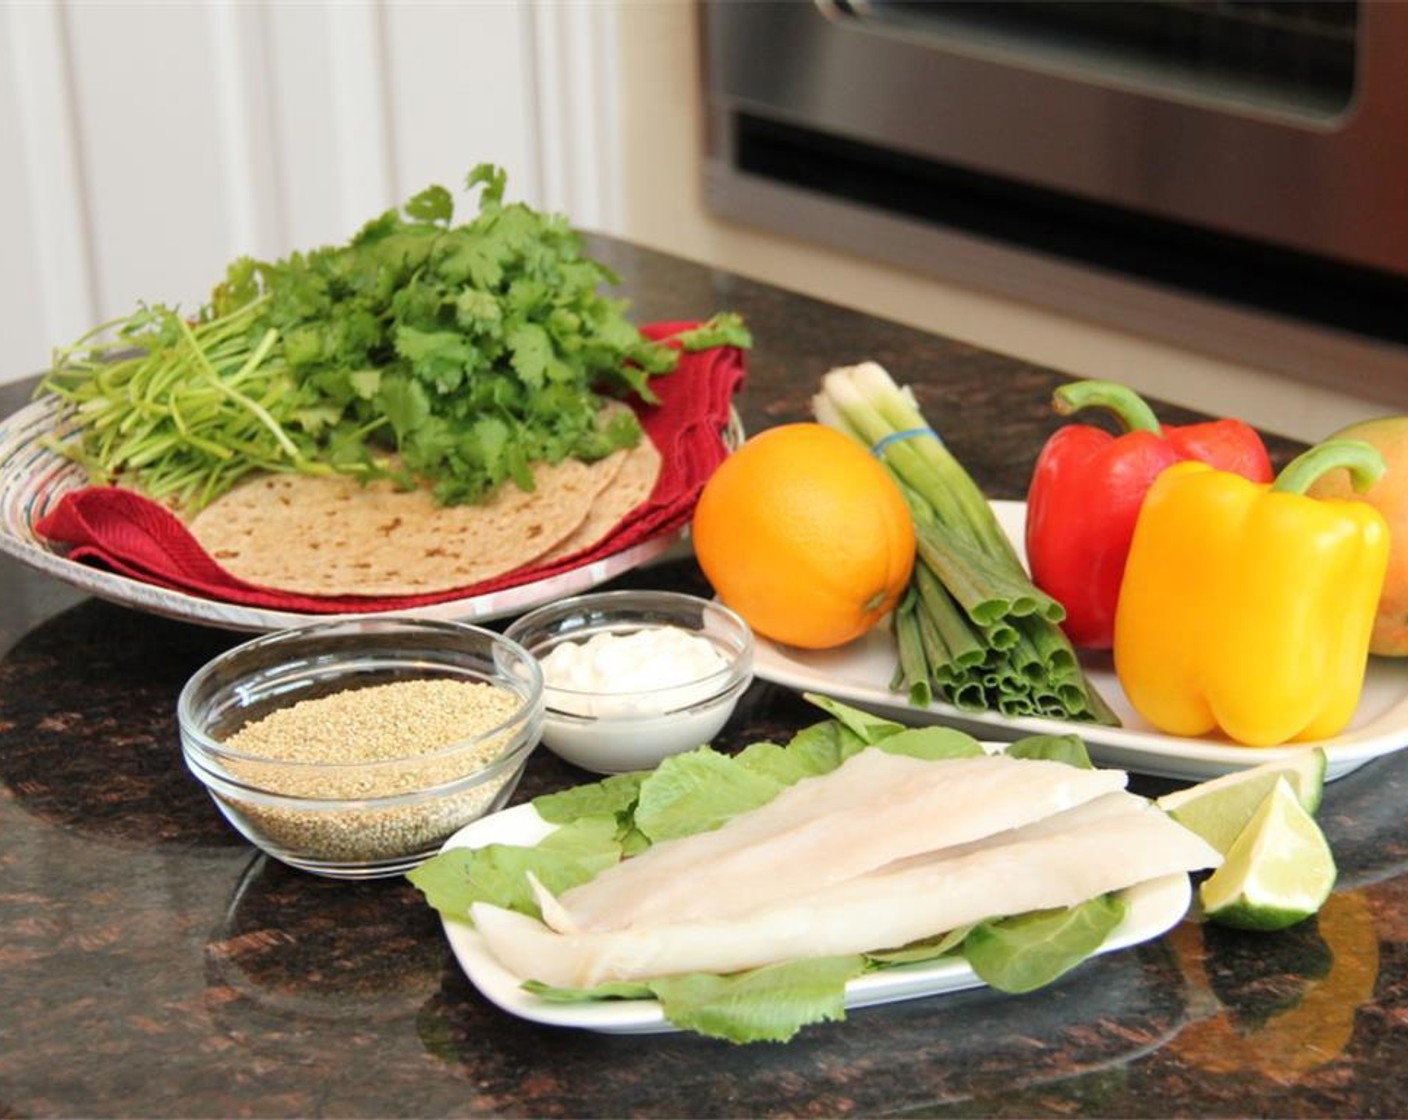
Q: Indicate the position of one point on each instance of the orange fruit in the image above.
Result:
(806, 535)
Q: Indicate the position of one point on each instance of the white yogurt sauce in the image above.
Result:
(634, 685)
(620, 670)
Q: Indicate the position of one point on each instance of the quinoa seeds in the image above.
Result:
(373, 742)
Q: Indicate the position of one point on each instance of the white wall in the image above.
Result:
(148, 144)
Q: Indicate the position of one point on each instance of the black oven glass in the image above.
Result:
(1294, 55)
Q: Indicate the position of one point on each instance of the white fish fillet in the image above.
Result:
(1100, 848)
(872, 810)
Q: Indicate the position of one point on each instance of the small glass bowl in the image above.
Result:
(359, 818)
(615, 730)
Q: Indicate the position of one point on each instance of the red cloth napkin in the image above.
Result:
(136, 537)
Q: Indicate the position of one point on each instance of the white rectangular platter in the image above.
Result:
(859, 673)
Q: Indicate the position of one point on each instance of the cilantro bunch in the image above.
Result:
(471, 351)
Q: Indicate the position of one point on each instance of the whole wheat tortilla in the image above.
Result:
(634, 482)
(319, 535)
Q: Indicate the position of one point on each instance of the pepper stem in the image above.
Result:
(1363, 461)
(1127, 406)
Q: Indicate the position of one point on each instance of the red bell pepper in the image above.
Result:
(1088, 486)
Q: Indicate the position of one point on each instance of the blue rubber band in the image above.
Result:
(906, 434)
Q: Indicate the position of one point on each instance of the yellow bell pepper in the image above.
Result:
(1247, 607)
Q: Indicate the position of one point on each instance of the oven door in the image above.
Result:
(1249, 207)
(1289, 136)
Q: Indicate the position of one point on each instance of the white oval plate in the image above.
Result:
(33, 479)
(859, 673)
(1154, 908)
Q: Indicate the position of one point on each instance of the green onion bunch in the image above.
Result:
(972, 630)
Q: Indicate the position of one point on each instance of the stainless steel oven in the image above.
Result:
(1231, 175)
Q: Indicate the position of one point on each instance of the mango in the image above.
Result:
(1390, 497)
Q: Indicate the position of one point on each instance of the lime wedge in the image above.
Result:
(1219, 809)
(1279, 871)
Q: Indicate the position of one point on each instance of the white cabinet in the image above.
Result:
(145, 145)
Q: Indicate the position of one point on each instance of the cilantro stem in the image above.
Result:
(260, 353)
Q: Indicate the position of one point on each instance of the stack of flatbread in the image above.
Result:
(334, 535)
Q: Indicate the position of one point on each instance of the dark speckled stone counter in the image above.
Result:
(152, 964)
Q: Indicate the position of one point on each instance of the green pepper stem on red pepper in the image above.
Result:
(1088, 485)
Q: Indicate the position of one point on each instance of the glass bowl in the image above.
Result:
(620, 722)
(353, 749)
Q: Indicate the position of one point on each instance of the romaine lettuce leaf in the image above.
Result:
(498, 873)
(698, 791)
(930, 949)
(1029, 951)
(868, 727)
(1055, 748)
(932, 743)
(610, 796)
(768, 1004)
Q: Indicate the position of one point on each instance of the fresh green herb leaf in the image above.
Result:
(404, 403)
(433, 204)
(724, 329)
(531, 354)
(493, 179)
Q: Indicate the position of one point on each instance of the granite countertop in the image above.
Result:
(152, 964)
